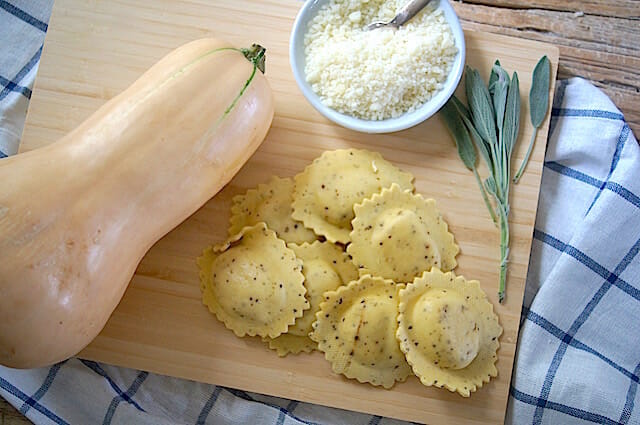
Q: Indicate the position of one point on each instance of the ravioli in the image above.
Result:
(398, 235)
(356, 328)
(253, 283)
(290, 344)
(325, 192)
(385, 309)
(325, 267)
(448, 331)
(269, 203)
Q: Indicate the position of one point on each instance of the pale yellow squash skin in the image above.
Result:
(77, 216)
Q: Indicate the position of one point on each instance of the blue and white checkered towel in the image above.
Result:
(22, 28)
(579, 349)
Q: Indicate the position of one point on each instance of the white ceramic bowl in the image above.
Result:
(407, 120)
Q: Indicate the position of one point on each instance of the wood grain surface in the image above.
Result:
(598, 39)
(95, 49)
(10, 416)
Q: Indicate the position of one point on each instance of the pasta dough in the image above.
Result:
(325, 267)
(356, 328)
(448, 331)
(398, 235)
(274, 279)
(270, 203)
(253, 283)
(324, 194)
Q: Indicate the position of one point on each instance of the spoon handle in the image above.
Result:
(408, 11)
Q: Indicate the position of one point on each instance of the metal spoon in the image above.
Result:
(407, 12)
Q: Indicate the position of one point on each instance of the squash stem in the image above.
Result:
(256, 55)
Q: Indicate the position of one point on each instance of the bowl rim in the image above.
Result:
(402, 122)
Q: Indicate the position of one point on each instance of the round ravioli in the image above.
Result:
(271, 204)
(325, 267)
(448, 331)
(356, 328)
(253, 283)
(324, 194)
(398, 235)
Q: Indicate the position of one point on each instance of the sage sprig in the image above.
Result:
(492, 122)
(538, 105)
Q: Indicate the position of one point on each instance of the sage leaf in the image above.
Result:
(453, 120)
(458, 131)
(539, 94)
(498, 90)
(538, 105)
(480, 106)
(477, 140)
(511, 125)
(462, 109)
(493, 76)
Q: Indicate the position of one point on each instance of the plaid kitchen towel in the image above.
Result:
(22, 28)
(579, 348)
(579, 345)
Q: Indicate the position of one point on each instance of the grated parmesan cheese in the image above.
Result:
(376, 74)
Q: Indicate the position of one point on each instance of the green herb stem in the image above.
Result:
(497, 173)
(504, 250)
(485, 197)
(505, 170)
(526, 157)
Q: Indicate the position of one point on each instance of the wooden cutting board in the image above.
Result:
(94, 49)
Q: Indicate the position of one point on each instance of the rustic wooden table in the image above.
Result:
(598, 40)
(10, 416)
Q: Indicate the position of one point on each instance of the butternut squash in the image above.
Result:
(77, 216)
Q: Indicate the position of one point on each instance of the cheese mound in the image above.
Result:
(382, 73)
(448, 331)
